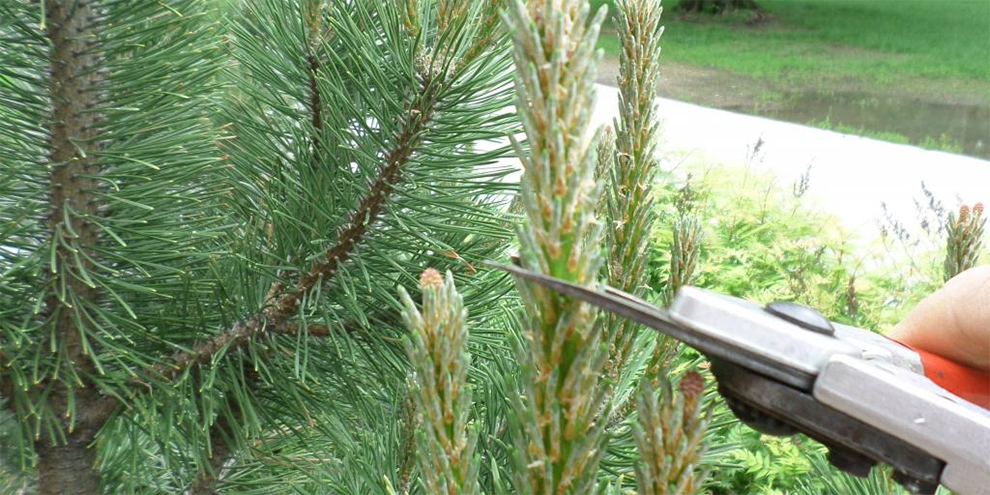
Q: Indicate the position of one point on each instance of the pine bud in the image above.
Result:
(438, 353)
(964, 240)
(430, 279)
(692, 385)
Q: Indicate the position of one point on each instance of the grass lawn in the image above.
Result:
(906, 71)
(883, 41)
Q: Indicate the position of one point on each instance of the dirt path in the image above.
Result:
(701, 85)
(957, 119)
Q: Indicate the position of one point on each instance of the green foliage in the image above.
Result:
(437, 350)
(881, 41)
(255, 183)
(823, 480)
(764, 464)
(763, 244)
(964, 240)
(557, 423)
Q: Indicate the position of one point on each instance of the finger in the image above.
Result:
(954, 322)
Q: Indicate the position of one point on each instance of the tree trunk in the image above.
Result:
(67, 469)
(717, 6)
(66, 463)
(221, 436)
(69, 466)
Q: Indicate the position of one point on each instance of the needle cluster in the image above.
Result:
(559, 439)
(437, 350)
(684, 249)
(669, 435)
(632, 168)
(670, 429)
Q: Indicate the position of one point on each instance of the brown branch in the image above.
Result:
(368, 209)
(203, 352)
(311, 330)
(282, 306)
(67, 466)
(315, 107)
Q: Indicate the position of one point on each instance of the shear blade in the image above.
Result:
(628, 306)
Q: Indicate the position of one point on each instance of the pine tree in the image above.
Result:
(204, 218)
(206, 212)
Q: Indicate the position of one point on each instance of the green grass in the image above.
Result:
(872, 40)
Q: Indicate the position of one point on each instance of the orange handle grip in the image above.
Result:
(968, 383)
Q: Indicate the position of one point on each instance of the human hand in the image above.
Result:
(953, 322)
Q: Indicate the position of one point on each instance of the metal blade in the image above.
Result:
(659, 319)
(617, 302)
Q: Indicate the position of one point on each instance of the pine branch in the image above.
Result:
(73, 143)
(407, 446)
(420, 105)
(75, 126)
(669, 436)
(222, 431)
(275, 317)
(684, 249)
(315, 105)
(437, 350)
(964, 240)
(314, 33)
(557, 420)
(629, 203)
(282, 306)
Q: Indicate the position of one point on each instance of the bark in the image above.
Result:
(66, 465)
(206, 482)
(717, 6)
(67, 469)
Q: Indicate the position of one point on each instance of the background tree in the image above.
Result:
(716, 6)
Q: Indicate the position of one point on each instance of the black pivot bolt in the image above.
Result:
(801, 316)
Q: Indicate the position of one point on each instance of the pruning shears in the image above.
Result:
(785, 369)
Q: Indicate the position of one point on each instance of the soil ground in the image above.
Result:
(952, 116)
